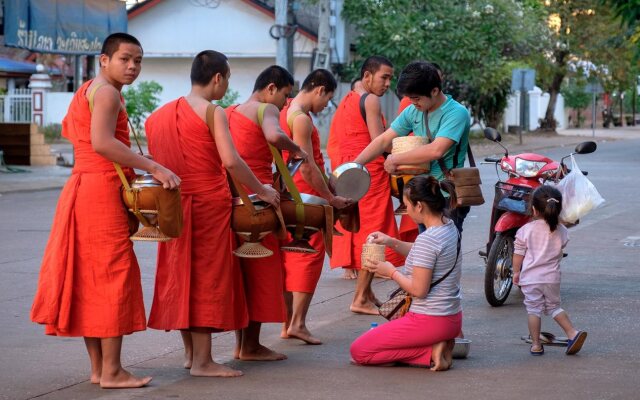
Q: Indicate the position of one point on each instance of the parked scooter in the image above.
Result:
(512, 209)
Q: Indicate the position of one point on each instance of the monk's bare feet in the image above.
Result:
(437, 357)
(283, 332)
(302, 334)
(95, 377)
(214, 369)
(123, 380)
(367, 308)
(262, 353)
(349, 273)
(187, 360)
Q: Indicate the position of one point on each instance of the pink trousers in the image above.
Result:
(407, 340)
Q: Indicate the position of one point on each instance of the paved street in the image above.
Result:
(599, 289)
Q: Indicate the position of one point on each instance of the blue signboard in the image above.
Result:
(62, 26)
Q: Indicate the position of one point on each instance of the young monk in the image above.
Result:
(198, 282)
(90, 280)
(352, 134)
(302, 270)
(263, 276)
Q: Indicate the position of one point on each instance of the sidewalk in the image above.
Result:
(46, 178)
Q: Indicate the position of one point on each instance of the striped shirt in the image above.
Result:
(436, 249)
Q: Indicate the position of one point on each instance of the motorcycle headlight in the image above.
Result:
(528, 168)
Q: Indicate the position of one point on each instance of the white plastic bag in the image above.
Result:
(579, 196)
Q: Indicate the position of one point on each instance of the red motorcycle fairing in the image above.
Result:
(510, 220)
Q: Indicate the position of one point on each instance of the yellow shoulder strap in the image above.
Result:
(92, 94)
(121, 174)
(292, 118)
(286, 177)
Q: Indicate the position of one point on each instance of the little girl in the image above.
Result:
(536, 268)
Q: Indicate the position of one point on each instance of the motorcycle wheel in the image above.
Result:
(498, 275)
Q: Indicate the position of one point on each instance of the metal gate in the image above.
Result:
(16, 106)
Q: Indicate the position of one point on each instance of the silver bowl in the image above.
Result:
(461, 348)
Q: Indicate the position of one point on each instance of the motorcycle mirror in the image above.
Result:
(492, 134)
(586, 147)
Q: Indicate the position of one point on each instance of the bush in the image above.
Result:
(141, 100)
(229, 98)
(52, 132)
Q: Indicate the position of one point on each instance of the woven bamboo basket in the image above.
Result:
(407, 143)
(372, 251)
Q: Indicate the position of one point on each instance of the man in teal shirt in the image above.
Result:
(449, 123)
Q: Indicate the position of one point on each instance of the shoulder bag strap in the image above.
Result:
(286, 177)
(434, 284)
(292, 118)
(441, 163)
(363, 110)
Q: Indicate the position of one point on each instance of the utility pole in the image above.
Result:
(283, 32)
(323, 53)
(77, 76)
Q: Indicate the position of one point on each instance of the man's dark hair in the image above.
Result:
(419, 78)
(206, 65)
(274, 74)
(112, 43)
(320, 78)
(373, 64)
(354, 81)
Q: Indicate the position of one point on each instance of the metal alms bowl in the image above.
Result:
(461, 348)
(350, 180)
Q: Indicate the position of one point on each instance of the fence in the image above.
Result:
(16, 106)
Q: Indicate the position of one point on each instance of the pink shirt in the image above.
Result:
(542, 251)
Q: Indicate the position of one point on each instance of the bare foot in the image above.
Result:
(187, 361)
(373, 299)
(215, 369)
(123, 380)
(95, 377)
(262, 353)
(349, 273)
(283, 332)
(368, 308)
(437, 357)
(303, 334)
(448, 352)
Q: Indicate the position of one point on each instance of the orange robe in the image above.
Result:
(350, 136)
(408, 230)
(263, 279)
(90, 280)
(198, 280)
(302, 270)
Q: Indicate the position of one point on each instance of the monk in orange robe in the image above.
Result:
(302, 270)
(353, 134)
(199, 286)
(252, 135)
(89, 282)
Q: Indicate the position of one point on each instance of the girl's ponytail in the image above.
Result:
(547, 200)
(449, 187)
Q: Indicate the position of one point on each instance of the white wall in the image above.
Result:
(56, 105)
(538, 102)
(174, 31)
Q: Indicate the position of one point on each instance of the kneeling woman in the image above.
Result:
(424, 336)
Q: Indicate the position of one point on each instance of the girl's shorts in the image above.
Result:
(542, 298)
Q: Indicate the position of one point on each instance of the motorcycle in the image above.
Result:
(512, 209)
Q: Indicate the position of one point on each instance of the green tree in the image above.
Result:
(141, 100)
(475, 42)
(230, 98)
(576, 98)
(581, 32)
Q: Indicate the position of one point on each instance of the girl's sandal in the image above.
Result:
(537, 352)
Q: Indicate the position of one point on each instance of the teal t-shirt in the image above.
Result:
(451, 120)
